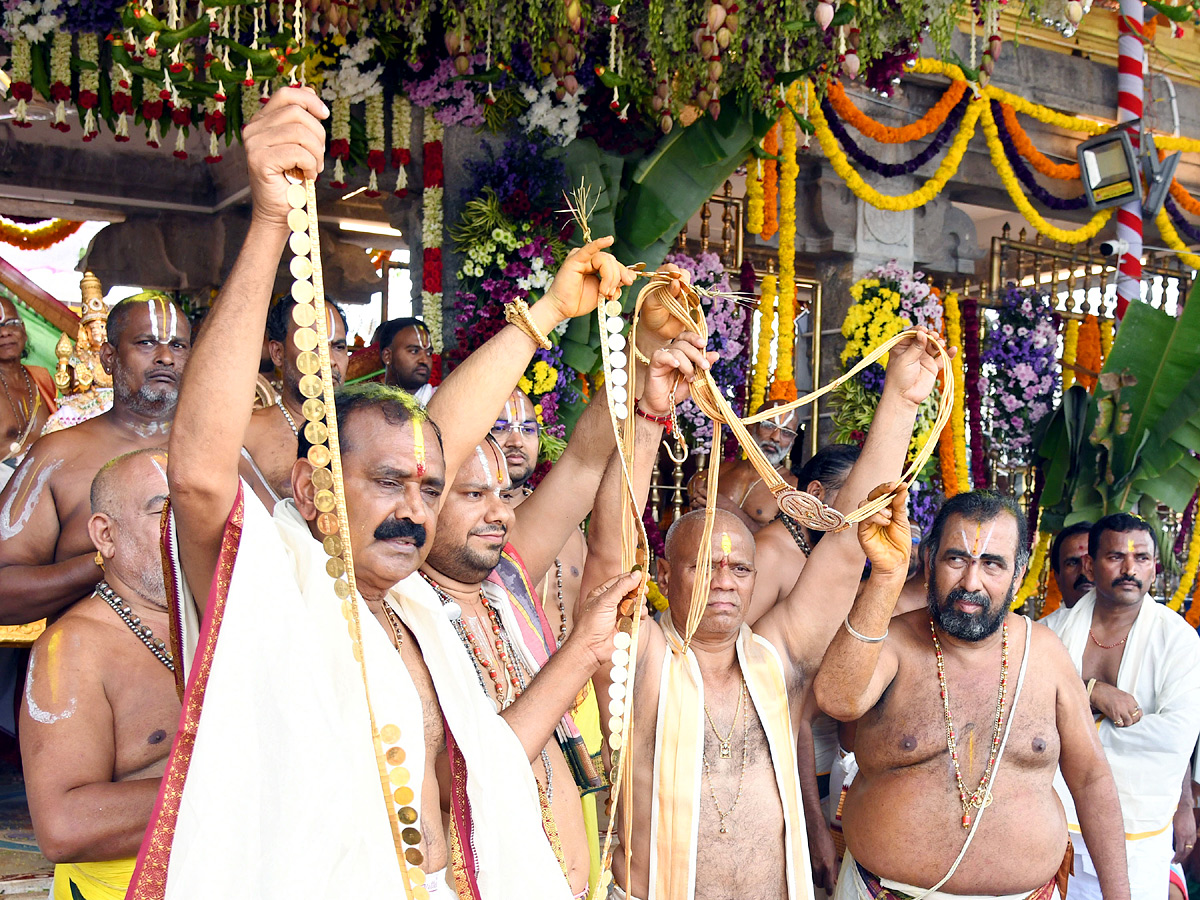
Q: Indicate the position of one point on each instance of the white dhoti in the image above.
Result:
(852, 886)
(1149, 862)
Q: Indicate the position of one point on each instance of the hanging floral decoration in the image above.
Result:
(726, 318)
(886, 302)
(770, 184)
(376, 158)
(431, 237)
(1018, 381)
(932, 121)
(401, 142)
(754, 195)
(972, 366)
(38, 238)
(1037, 564)
(89, 83)
(766, 330)
(1088, 355)
(1070, 351)
(1191, 563)
(958, 419)
(783, 386)
(1053, 598)
(1106, 339)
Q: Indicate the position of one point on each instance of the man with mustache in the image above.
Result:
(1068, 550)
(47, 558)
(1138, 660)
(407, 354)
(270, 448)
(318, 706)
(966, 754)
(741, 489)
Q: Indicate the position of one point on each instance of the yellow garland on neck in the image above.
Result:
(788, 172)
(1188, 576)
(950, 163)
(1171, 238)
(762, 362)
(1033, 577)
(754, 195)
(1013, 186)
(1070, 349)
(958, 420)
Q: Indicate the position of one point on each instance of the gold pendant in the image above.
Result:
(726, 753)
(724, 830)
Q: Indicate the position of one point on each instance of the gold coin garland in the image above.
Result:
(320, 430)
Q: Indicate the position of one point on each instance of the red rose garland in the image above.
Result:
(431, 239)
(970, 318)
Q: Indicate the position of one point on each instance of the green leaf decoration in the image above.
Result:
(844, 16)
(1175, 13)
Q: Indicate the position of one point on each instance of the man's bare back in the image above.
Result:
(779, 561)
(906, 782)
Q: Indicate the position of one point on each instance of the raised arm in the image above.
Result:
(466, 402)
(855, 672)
(32, 584)
(79, 813)
(804, 622)
(216, 399)
(1087, 774)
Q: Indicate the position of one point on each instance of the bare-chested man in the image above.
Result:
(407, 353)
(100, 707)
(713, 748)
(47, 558)
(28, 390)
(741, 489)
(270, 449)
(965, 712)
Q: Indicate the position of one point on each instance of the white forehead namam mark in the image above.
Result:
(975, 549)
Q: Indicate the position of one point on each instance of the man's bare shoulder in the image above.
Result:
(83, 636)
(909, 632)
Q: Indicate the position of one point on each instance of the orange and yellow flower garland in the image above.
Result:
(958, 419)
(1088, 354)
(1070, 348)
(1033, 577)
(762, 360)
(770, 184)
(783, 387)
(1188, 576)
(884, 134)
(38, 238)
(1053, 598)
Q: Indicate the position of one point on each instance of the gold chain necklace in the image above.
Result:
(982, 795)
(726, 752)
(722, 815)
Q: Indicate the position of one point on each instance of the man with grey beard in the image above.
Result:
(952, 749)
(742, 490)
(47, 559)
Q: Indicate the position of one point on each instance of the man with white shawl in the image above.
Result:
(303, 765)
(1141, 665)
(716, 802)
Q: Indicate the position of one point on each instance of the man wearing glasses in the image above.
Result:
(741, 490)
(28, 390)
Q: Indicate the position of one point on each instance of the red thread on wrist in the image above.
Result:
(664, 421)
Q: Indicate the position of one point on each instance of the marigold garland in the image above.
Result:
(770, 184)
(1087, 355)
(1013, 186)
(1070, 348)
(946, 453)
(1041, 162)
(1183, 198)
(766, 328)
(754, 195)
(1188, 575)
(1171, 238)
(1053, 598)
(1106, 340)
(971, 370)
(958, 420)
(38, 238)
(783, 386)
(1034, 575)
(884, 134)
(949, 165)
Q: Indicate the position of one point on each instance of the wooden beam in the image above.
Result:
(53, 310)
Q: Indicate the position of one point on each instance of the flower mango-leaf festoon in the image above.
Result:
(1008, 145)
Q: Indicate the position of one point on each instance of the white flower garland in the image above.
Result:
(401, 142)
(89, 80)
(375, 142)
(339, 128)
(60, 75)
(22, 72)
(431, 234)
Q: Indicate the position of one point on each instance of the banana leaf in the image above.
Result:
(1061, 442)
(1164, 354)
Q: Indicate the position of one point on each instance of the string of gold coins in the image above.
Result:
(320, 430)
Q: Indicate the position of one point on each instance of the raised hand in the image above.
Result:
(913, 366)
(654, 318)
(885, 536)
(286, 135)
(586, 275)
(673, 368)
(596, 619)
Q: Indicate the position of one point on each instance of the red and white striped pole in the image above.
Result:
(1131, 64)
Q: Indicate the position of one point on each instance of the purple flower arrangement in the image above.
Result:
(1019, 375)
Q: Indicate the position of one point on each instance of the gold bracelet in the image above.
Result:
(517, 313)
(1091, 684)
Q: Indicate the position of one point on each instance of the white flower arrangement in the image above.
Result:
(558, 118)
(431, 218)
(401, 141)
(350, 81)
(33, 20)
